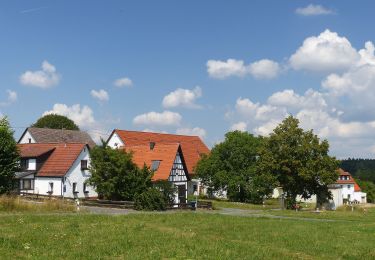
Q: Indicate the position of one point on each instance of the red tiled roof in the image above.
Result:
(60, 160)
(192, 146)
(165, 153)
(356, 187)
(34, 150)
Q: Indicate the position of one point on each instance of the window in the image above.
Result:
(27, 184)
(155, 165)
(75, 187)
(85, 188)
(29, 140)
(24, 164)
(50, 187)
(348, 186)
(195, 188)
(84, 165)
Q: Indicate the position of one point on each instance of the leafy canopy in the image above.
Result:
(231, 167)
(115, 176)
(299, 161)
(9, 157)
(54, 121)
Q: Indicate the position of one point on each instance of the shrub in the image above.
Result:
(151, 199)
(167, 189)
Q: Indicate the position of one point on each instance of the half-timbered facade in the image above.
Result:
(192, 149)
(167, 163)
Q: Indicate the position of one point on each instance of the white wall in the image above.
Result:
(31, 164)
(360, 197)
(41, 185)
(115, 139)
(25, 138)
(76, 175)
(348, 191)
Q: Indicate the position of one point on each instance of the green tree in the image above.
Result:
(54, 121)
(167, 189)
(114, 174)
(299, 161)
(9, 157)
(369, 188)
(231, 167)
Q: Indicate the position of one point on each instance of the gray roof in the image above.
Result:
(46, 135)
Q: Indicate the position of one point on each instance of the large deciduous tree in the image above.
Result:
(299, 160)
(55, 121)
(9, 157)
(115, 175)
(231, 167)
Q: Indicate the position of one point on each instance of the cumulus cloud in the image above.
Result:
(197, 131)
(82, 116)
(240, 126)
(262, 69)
(165, 118)
(326, 52)
(123, 82)
(12, 97)
(100, 95)
(44, 78)
(183, 98)
(312, 9)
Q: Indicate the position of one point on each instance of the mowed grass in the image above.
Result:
(181, 235)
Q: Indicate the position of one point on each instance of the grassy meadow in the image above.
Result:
(184, 234)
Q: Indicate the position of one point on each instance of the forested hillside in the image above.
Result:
(363, 169)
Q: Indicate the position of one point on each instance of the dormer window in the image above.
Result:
(155, 165)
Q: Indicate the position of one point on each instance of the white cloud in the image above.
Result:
(262, 69)
(100, 95)
(123, 82)
(224, 69)
(45, 78)
(326, 52)
(82, 116)
(166, 118)
(240, 126)
(312, 9)
(12, 97)
(197, 131)
(183, 98)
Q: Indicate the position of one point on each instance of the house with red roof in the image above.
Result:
(55, 169)
(351, 192)
(171, 157)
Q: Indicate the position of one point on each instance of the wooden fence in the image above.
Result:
(118, 204)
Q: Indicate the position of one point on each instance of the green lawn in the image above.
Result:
(184, 235)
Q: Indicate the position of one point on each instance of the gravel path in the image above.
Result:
(222, 211)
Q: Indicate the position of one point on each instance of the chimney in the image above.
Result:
(152, 145)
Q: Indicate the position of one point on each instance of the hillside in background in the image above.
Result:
(363, 169)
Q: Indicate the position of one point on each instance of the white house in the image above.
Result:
(55, 169)
(344, 191)
(192, 148)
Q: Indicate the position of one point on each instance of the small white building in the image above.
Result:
(55, 169)
(344, 191)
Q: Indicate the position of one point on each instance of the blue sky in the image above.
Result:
(193, 67)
